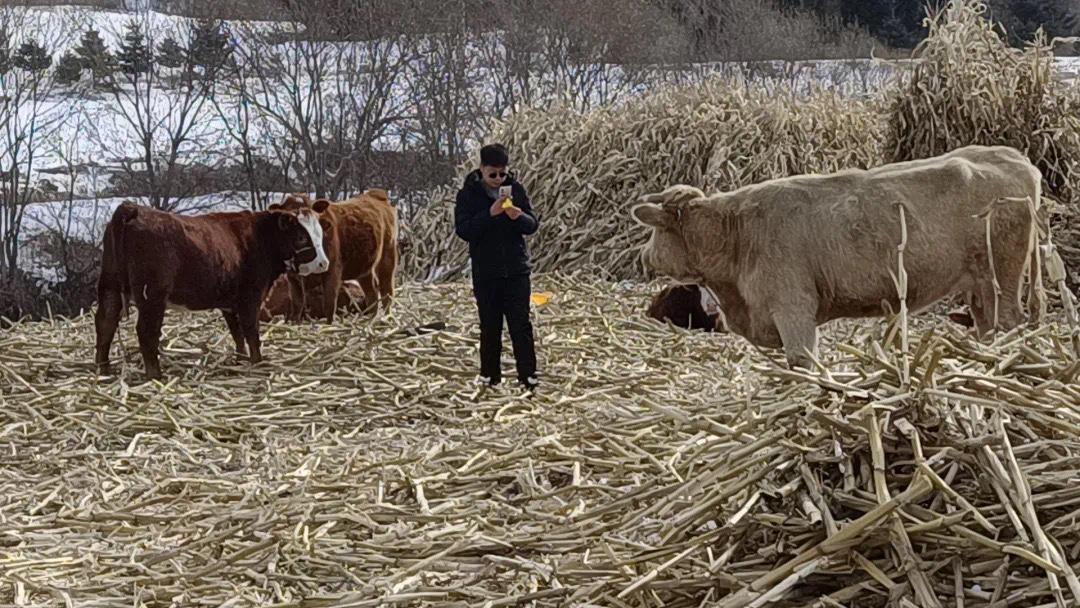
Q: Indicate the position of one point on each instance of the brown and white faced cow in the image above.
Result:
(360, 239)
(219, 260)
(787, 255)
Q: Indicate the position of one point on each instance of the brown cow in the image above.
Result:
(219, 260)
(685, 306)
(789, 254)
(279, 300)
(360, 240)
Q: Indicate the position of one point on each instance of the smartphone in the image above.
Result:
(505, 191)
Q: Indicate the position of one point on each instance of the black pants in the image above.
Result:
(497, 298)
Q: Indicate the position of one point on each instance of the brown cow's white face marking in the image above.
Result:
(666, 251)
(309, 220)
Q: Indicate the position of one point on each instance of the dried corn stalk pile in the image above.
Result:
(970, 87)
(361, 468)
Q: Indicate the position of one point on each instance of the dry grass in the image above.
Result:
(360, 467)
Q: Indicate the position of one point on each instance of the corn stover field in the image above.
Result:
(360, 464)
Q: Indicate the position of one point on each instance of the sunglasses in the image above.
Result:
(495, 174)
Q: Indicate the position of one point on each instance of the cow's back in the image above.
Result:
(366, 226)
(840, 232)
(197, 261)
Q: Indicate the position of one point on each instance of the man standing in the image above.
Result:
(495, 226)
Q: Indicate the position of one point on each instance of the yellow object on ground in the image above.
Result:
(540, 299)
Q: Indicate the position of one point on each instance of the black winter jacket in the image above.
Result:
(496, 244)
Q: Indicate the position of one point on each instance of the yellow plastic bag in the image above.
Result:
(539, 299)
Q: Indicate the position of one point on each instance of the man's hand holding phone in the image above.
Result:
(507, 203)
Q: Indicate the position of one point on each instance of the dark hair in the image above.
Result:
(494, 155)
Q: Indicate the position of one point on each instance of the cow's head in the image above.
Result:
(300, 241)
(307, 215)
(666, 251)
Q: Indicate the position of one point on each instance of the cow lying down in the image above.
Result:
(219, 260)
(787, 255)
(685, 306)
(281, 301)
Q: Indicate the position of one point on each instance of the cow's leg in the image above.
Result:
(371, 294)
(1009, 268)
(248, 317)
(297, 301)
(148, 328)
(233, 321)
(385, 271)
(331, 285)
(981, 302)
(798, 332)
(106, 320)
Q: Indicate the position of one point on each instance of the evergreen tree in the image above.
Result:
(68, 69)
(134, 58)
(210, 48)
(32, 57)
(95, 56)
(5, 52)
(170, 54)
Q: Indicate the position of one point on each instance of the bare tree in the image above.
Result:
(162, 109)
(447, 89)
(236, 110)
(330, 100)
(29, 117)
(63, 237)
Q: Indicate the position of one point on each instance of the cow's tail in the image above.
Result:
(114, 271)
(382, 195)
(674, 194)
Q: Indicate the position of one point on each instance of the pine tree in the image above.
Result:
(5, 52)
(32, 57)
(95, 56)
(134, 58)
(68, 69)
(170, 54)
(210, 48)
